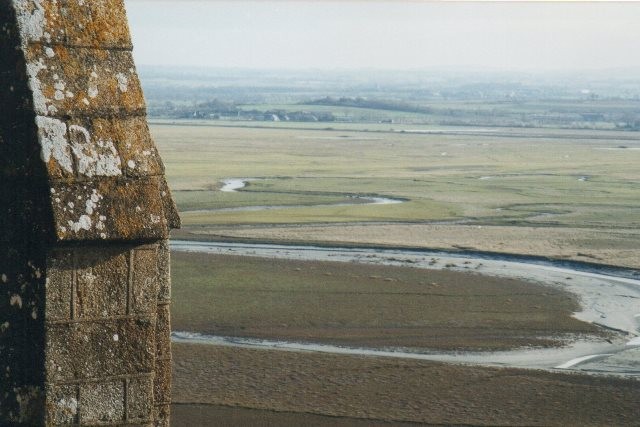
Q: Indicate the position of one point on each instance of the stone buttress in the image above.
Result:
(85, 215)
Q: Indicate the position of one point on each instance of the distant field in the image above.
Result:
(547, 182)
(402, 128)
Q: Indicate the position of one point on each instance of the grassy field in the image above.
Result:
(365, 305)
(491, 180)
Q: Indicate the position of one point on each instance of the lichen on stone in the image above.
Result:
(31, 19)
(94, 159)
(52, 135)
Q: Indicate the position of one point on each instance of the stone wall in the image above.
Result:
(85, 214)
(113, 301)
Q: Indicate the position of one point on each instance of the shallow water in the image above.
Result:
(547, 358)
(232, 185)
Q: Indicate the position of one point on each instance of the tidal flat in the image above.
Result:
(262, 387)
(368, 305)
(565, 195)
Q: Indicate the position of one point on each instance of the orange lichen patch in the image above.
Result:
(109, 23)
(170, 210)
(55, 171)
(49, 91)
(133, 94)
(134, 209)
(94, 23)
(60, 52)
(137, 150)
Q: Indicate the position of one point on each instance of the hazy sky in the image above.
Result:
(385, 34)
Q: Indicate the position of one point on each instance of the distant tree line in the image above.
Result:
(375, 104)
(217, 109)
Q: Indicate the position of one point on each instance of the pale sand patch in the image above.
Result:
(614, 247)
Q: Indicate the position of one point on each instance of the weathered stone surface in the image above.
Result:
(133, 143)
(101, 284)
(109, 209)
(60, 279)
(162, 382)
(163, 332)
(62, 404)
(84, 218)
(162, 415)
(102, 402)
(140, 399)
(144, 284)
(75, 81)
(164, 273)
(85, 350)
(95, 23)
(170, 210)
(85, 148)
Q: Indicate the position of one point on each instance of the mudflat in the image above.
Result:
(367, 305)
(188, 415)
(292, 388)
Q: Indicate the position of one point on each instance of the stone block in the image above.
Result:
(144, 284)
(102, 402)
(140, 399)
(59, 287)
(137, 150)
(102, 280)
(163, 332)
(162, 382)
(91, 147)
(80, 351)
(164, 272)
(109, 209)
(162, 415)
(62, 404)
(77, 81)
(96, 23)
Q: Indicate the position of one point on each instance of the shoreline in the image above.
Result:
(603, 268)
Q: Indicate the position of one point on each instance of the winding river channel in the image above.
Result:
(609, 297)
(232, 185)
